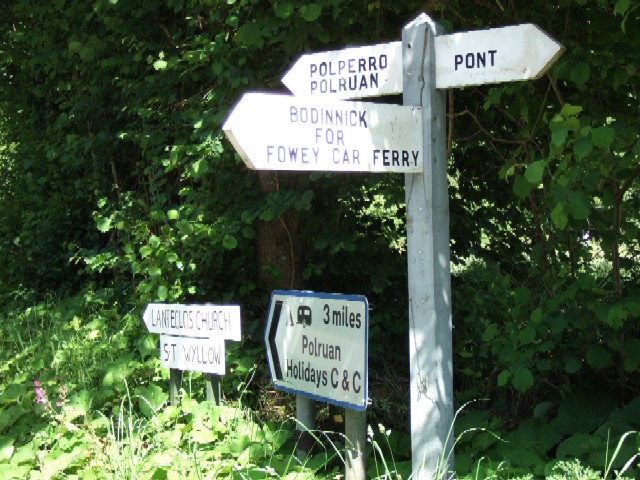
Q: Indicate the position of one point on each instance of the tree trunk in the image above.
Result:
(278, 242)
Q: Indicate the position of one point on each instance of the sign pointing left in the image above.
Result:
(199, 321)
(282, 132)
(355, 72)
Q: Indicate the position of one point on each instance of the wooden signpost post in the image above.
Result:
(302, 133)
(192, 338)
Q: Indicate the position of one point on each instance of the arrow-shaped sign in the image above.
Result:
(282, 132)
(317, 346)
(200, 321)
(356, 72)
(506, 54)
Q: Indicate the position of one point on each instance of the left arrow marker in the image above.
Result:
(273, 346)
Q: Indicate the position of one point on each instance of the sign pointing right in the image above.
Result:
(518, 52)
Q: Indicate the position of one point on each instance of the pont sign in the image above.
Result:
(475, 60)
(517, 52)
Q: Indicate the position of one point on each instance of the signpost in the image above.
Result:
(317, 349)
(317, 346)
(308, 335)
(192, 338)
(281, 132)
(430, 352)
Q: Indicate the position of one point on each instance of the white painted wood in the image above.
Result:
(193, 354)
(282, 132)
(317, 346)
(355, 72)
(431, 376)
(496, 55)
(198, 321)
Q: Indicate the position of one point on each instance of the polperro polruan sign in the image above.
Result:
(317, 346)
(355, 72)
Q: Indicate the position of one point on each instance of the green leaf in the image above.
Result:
(160, 64)
(229, 242)
(559, 217)
(522, 296)
(537, 315)
(283, 9)
(572, 365)
(163, 293)
(503, 378)
(311, 12)
(621, 7)
(569, 110)
(598, 357)
(490, 333)
(579, 206)
(522, 187)
(250, 35)
(103, 224)
(173, 214)
(267, 215)
(582, 147)
(603, 136)
(580, 73)
(535, 171)
(150, 399)
(558, 137)
(522, 379)
(527, 335)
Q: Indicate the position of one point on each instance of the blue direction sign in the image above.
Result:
(317, 346)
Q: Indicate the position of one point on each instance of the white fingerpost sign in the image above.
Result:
(317, 346)
(496, 55)
(281, 132)
(355, 72)
(198, 321)
(195, 354)
(476, 57)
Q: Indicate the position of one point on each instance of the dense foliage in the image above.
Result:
(119, 188)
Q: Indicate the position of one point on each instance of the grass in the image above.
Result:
(106, 416)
